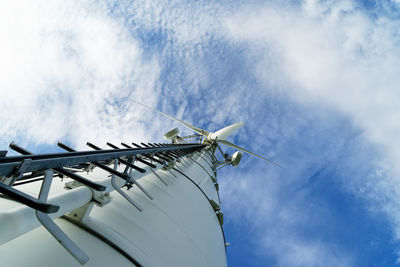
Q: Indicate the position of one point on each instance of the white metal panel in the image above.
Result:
(39, 248)
(177, 228)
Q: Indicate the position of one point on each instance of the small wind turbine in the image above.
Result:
(218, 137)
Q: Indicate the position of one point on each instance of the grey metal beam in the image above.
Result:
(63, 171)
(58, 160)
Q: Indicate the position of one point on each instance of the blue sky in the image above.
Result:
(316, 83)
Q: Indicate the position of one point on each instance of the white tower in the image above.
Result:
(143, 205)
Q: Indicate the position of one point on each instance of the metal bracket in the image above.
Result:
(52, 228)
(82, 213)
(127, 178)
(18, 172)
(101, 199)
(122, 193)
(220, 217)
(72, 184)
(169, 165)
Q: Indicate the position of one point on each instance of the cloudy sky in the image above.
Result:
(316, 82)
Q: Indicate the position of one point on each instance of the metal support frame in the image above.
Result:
(29, 166)
(129, 180)
(122, 193)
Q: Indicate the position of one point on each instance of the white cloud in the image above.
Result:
(69, 71)
(333, 54)
(336, 54)
(184, 24)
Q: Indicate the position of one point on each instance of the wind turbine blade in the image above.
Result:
(187, 125)
(224, 142)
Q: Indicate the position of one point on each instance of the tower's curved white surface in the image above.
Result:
(179, 227)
